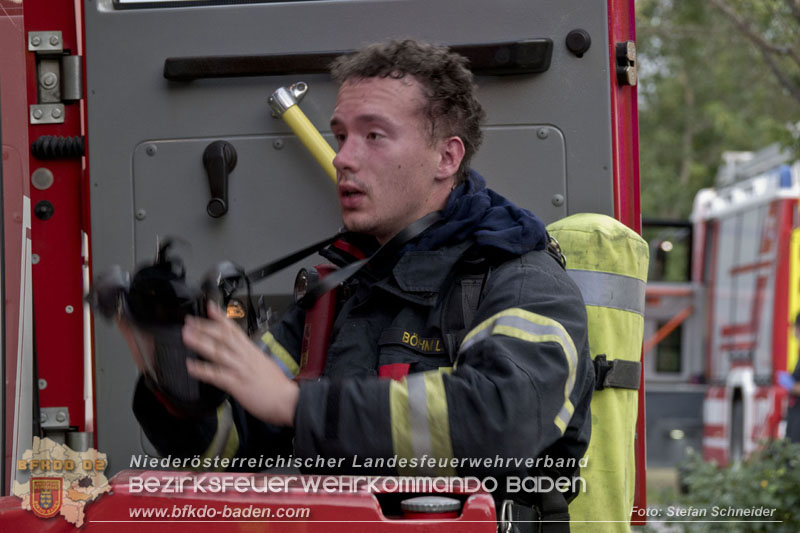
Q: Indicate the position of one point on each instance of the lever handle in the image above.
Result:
(219, 158)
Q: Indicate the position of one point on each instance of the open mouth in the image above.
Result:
(350, 198)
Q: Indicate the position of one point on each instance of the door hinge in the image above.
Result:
(59, 77)
(627, 68)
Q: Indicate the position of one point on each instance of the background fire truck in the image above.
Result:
(109, 105)
(715, 342)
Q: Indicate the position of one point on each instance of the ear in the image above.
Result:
(451, 152)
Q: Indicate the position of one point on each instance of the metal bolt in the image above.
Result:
(151, 149)
(543, 133)
(37, 114)
(35, 259)
(54, 40)
(43, 418)
(141, 214)
(42, 383)
(49, 80)
(277, 144)
(69, 309)
(36, 40)
(558, 200)
(60, 417)
(56, 113)
(42, 178)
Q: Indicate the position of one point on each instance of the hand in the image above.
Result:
(785, 380)
(236, 365)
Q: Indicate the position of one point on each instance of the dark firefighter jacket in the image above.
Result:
(518, 387)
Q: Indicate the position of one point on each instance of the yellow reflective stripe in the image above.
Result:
(530, 327)
(401, 426)
(280, 353)
(438, 421)
(479, 330)
(225, 443)
(232, 444)
(420, 425)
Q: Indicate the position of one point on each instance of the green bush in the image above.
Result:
(769, 478)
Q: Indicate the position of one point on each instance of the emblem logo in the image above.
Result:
(46, 496)
(59, 480)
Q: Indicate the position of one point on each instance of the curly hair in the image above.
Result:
(451, 107)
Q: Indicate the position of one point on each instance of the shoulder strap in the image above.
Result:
(461, 304)
(459, 311)
(471, 289)
(388, 251)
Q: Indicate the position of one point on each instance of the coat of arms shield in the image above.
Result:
(46, 496)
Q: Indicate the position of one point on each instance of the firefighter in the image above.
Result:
(791, 382)
(468, 342)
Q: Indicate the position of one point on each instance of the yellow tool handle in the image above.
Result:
(311, 138)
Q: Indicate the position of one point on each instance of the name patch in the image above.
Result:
(412, 340)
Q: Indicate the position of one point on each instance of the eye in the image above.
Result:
(374, 136)
(340, 138)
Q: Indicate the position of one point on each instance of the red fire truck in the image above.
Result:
(108, 105)
(718, 340)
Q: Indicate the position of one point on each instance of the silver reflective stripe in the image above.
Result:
(269, 344)
(530, 327)
(539, 331)
(534, 329)
(474, 339)
(616, 291)
(285, 369)
(564, 416)
(418, 420)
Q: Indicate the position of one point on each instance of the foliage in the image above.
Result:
(772, 27)
(703, 90)
(768, 478)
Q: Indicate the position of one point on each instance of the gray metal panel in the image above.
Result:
(526, 164)
(279, 200)
(130, 103)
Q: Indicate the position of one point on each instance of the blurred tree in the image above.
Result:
(773, 26)
(705, 89)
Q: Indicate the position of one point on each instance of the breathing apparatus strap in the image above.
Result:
(389, 249)
(270, 268)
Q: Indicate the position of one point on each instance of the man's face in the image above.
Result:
(389, 173)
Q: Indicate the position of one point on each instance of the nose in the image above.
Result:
(346, 159)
